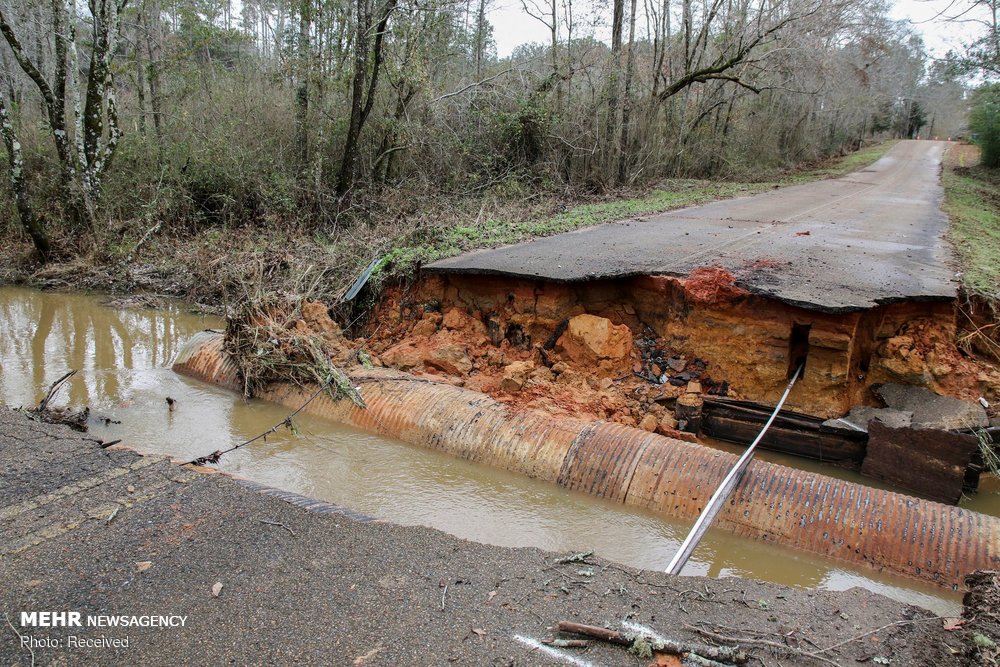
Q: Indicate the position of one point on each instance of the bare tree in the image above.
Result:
(362, 99)
(85, 145)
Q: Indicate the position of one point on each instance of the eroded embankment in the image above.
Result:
(833, 518)
(624, 349)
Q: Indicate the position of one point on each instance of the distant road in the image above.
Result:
(873, 236)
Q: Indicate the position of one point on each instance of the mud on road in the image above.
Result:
(110, 532)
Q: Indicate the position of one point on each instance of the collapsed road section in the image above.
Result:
(715, 306)
(842, 520)
(595, 359)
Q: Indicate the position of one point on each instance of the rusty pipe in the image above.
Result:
(842, 520)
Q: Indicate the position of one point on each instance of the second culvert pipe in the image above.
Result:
(842, 520)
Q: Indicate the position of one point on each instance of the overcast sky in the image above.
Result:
(513, 27)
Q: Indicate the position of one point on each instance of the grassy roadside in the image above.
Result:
(213, 264)
(972, 201)
(522, 225)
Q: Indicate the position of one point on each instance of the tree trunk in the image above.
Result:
(305, 74)
(346, 179)
(31, 223)
(611, 122)
(362, 102)
(480, 37)
(623, 159)
(140, 82)
(150, 19)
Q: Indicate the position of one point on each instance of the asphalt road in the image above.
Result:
(872, 237)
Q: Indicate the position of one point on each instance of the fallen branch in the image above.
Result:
(753, 641)
(643, 644)
(567, 643)
(575, 558)
(278, 523)
(815, 655)
(286, 422)
(604, 634)
(43, 405)
(21, 639)
(877, 630)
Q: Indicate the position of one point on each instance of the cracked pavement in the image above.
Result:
(873, 237)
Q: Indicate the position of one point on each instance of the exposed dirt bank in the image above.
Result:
(109, 532)
(628, 350)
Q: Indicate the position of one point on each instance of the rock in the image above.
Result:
(649, 423)
(560, 367)
(932, 411)
(677, 364)
(438, 353)
(861, 415)
(427, 326)
(495, 357)
(403, 356)
(667, 424)
(589, 339)
(451, 358)
(317, 316)
(458, 320)
(515, 375)
(693, 387)
(494, 331)
(542, 374)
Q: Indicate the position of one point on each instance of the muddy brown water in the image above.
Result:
(124, 361)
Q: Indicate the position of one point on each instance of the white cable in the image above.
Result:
(728, 484)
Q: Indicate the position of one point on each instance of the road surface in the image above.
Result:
(872, 237)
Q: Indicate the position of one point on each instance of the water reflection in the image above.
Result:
(43, 336)
(123, 357)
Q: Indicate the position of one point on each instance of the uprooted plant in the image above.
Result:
(282, 338)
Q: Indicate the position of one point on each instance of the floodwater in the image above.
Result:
(123, 358)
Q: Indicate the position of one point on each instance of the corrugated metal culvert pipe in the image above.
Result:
(889, 531)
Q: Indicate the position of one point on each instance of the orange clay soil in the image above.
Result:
(625, 350)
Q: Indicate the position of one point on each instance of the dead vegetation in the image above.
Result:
(283, 338)
(50, 414)
(981, 614)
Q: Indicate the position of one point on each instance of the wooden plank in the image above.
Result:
(826, 447)
(930, 463)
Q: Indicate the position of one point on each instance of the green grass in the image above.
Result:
(443, 241)
(972, 201)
